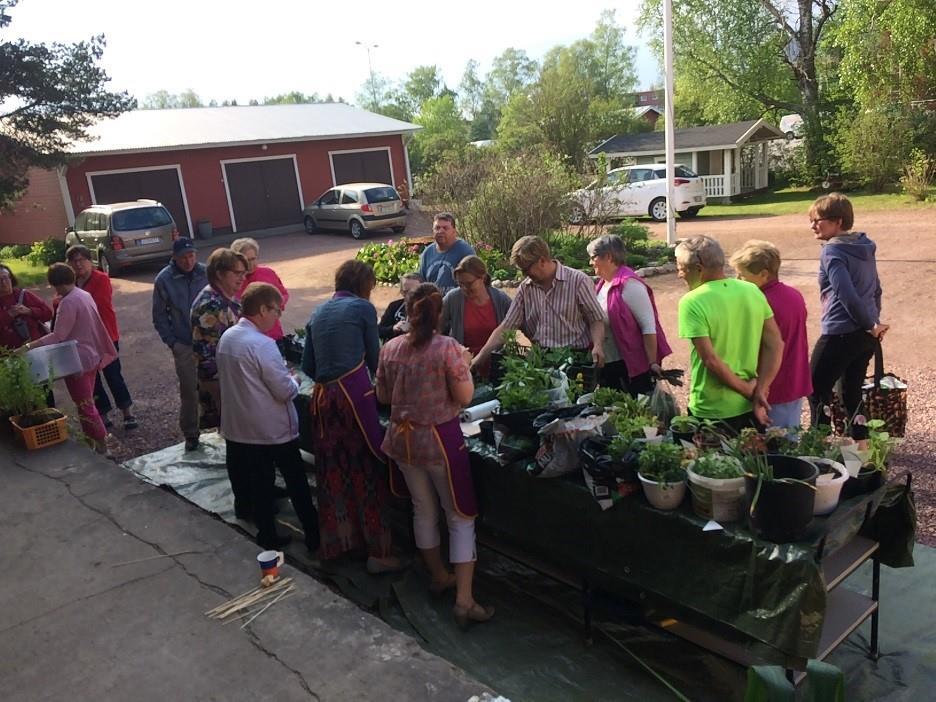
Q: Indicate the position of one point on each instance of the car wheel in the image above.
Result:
(105, 266)
(399, 230)
(690, 213)
(577, 215)
(357, 229)
(657, 209)
(310, 226)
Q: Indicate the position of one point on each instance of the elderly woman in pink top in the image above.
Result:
(758, 262)
(250, 249)
(77, 319)
(636, 346)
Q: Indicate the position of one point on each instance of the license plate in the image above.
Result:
(147, 241)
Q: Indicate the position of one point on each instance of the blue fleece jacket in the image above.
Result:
(849, 287)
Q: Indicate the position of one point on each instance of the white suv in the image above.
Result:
(637, 191)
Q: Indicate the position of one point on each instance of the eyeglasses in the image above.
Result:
(466, 284)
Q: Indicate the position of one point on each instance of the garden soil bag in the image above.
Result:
(560, 441)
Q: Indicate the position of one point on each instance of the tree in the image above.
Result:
(580, 97)
(470, 91)
(422, 83)
(765, 51)
(50, 94)
(164, 100)
(443, 130)
(899, 35)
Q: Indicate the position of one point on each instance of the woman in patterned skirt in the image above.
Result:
(351, 471)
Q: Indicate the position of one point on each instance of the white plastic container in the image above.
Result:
(663, 495)
(720, 499)
(54, 361)
(828, 485)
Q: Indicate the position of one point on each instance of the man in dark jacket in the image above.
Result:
(175, 289)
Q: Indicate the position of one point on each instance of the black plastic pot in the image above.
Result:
(520, 422)
(589, 376)
(867, 481)
(487, 432)
(680, 436)
(783, 510)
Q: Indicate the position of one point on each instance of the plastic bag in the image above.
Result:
(559, 444)
(663, 404)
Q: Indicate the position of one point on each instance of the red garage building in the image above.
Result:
(237, 169)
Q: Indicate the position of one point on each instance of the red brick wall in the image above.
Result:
(202, 177)
(39, 214)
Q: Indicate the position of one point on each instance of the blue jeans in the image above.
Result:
(787, 414)
(117, 385)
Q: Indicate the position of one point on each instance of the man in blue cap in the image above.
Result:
(174, 290)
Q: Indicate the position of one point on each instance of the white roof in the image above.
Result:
(200, 127)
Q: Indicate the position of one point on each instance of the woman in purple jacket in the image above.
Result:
(850, 296)
(636, 346)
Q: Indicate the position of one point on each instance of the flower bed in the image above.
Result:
(393, 259)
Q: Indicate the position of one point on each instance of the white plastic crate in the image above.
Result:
(54, 361)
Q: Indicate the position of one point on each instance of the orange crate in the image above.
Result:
(42, 435)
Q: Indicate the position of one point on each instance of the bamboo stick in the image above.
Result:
(278, 598)
(153, 558)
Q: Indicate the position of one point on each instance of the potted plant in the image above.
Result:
(710, 434)
(875, 460)
(814, 446)
(780, 492)
(683, 428)
(23, 401)
(661, 475)
(716, 482)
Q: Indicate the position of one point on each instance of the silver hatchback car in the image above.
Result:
(358, 208)
(124, 233)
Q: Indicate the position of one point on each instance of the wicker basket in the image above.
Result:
(42, 435)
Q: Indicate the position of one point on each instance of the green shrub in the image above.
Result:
(873, 145)
(631, 230)
(14, 251)
(569, 248)
(391, 260)
(47, 252)
(522, 195)
(918, 176)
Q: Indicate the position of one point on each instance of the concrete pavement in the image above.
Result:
(75, 625)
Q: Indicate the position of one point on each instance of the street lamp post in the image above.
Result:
(370, 69)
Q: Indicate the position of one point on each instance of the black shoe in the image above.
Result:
(106, 421)
(280, 493)
(191, 443)
(274, 542)
(130, 422)
(242, 511)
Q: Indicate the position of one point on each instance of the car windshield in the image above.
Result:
(386, 194)
(140, 218)
(679, 172)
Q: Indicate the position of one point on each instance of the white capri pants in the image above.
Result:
(429, 486)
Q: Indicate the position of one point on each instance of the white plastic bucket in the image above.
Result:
(828, 485)
(720, 499)
(54, 361)
(663, 495)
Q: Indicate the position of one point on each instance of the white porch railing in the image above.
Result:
(714, 185)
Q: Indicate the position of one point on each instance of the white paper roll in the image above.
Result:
(482, 411)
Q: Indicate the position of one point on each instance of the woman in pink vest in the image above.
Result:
(250, 249)
(77, 318)
(636, 346)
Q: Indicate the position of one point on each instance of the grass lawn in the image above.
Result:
(797, 201)
(27, 275)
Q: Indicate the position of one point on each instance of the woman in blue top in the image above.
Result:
(342, 345)
(850, 295)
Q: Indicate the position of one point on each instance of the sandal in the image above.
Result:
(466, 616)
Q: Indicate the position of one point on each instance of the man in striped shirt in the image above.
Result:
(555, 305)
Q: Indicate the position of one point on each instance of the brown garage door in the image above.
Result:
(362, 167)
(162, 185)
(263, 193)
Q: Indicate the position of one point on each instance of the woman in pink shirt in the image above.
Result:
(758, 262)
(250, 249)
(77, 319)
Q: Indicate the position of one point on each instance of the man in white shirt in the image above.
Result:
(259, 421)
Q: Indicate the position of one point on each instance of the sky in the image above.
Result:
(242, 50)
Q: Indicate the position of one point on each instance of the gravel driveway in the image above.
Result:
(906, 262)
